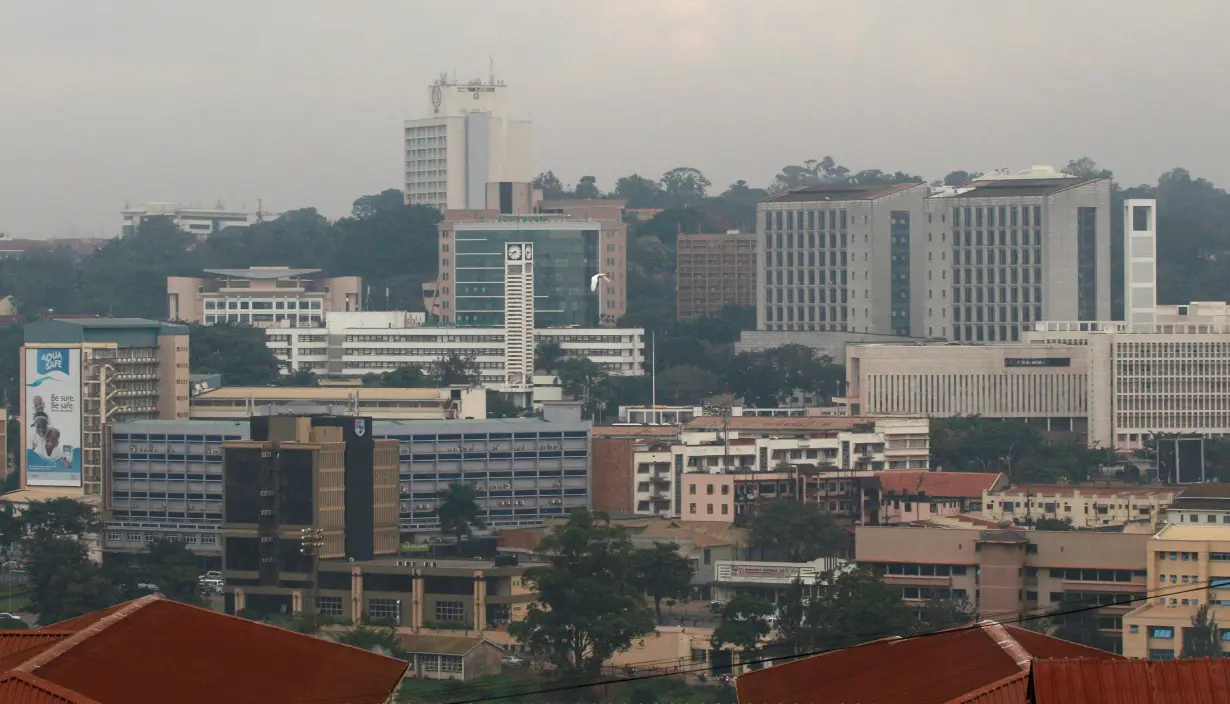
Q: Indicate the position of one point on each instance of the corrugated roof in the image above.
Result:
(836, 192)
(154, 650)
(1213, 490)
(789, 423)
(262, 272)
(938, 484)
(1071, 489)
(635, 431)
(442, 645)
(1201, 681)
(1017, 187)
(335, 393)
(950, 666)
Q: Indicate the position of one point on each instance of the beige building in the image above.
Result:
(243, 402)
(1140, 509)
(1189, 566)
(262, 296)
(1004, 572)
(713, 271)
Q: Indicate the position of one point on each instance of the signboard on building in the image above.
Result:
(522, 218)
(52, 416)
(746, 571)
(1037, 361)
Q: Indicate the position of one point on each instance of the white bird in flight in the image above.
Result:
(593, 281)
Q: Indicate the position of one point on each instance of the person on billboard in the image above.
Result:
(51, 449)
(40, 433)
(39, 409)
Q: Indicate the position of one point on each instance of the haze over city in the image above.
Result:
(302, 103)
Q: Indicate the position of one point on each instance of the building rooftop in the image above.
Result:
(441, 645)
(825, 192)
(779, 423)
(262, 272)
(939, 484)
(1100, 681)
(948, 666)
(340, 393)
(1018, 187)
(1193, 531)
(1086, 490)
(636, 431)
(1212, 490)
(153, 650)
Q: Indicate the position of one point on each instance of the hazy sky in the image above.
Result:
(301, 102)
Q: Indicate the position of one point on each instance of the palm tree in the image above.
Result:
(547, 355)
(458, 510)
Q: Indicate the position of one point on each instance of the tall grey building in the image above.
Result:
(837, 257)
(1009, 250)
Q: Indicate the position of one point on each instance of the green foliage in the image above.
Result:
(663, 573)
(976, 444)
(383, 641)
(407, 377)
(589, 607)
(237, 352)
(1079, 627)
(11, 525)
(550, 184)
(795, 532)
(745, 623)
(855, 607)
(938, 613)
(640, 192)
(1053, 524)
(767, 378)
(580, 378)
(547, 356)
(500, 406)
(458, 509)
(455, 369)
(686, 385)
(171, 566)
(367, 207)
(960, 178)
(60, 517)
(301, 377)
(1202, 639)
(63, 582)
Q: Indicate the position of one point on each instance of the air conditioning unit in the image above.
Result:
(519, 502)
(557, 501)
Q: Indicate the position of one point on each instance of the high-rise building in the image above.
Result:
(80, 374)
(519, 315)
(1011, 249)
(713, 271)
(201, 222)
(1140, 260)
(262, 296)
(468, 141)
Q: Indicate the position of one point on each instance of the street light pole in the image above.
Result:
(311, 540)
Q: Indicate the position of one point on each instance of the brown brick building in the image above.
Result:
(714, 271)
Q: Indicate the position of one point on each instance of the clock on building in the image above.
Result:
(514, 251)
(436, 96)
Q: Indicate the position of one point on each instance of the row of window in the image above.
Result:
(116, 537)
(213, 304)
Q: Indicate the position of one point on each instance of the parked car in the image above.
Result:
(512, 661)
(715, 607)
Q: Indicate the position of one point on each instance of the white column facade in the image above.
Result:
(518, 314)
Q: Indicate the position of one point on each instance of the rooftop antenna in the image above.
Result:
(653, 375)
(491, 69)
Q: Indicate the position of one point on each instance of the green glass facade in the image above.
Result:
(564, 262)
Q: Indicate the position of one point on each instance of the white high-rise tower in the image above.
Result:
(519, 315)
(1140, 260)
(468, 142)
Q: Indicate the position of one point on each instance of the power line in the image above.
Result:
(861, 638)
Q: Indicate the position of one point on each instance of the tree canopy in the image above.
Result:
(793, 531)
(663, 573)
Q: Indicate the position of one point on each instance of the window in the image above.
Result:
(691, 488)
(1134, 628)
(1219, 556)
(725, 491)
(1161, 632)
(329, 605)
(1161, 654)
(709, 489)
(384, 609)
(725, 510)
(450, 611)
(450, 663)
(709, 508)
(691, 508)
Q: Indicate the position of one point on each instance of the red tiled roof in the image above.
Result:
(1089, 681)
(945, 484)
(154, 650)
(949, 666)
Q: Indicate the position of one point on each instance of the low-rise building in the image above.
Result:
(200, 222)
(1002, 573)
(634, 469)
(908, 496)
(262, 296)
(1189, 567)
(771, 580)
(451, 657)
(378, 403)
(1137, 508)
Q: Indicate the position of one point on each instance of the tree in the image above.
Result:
(1203, 639)
(547, 355)
(1079, 627)
(11, 525)
(1053, 524)
(938, 613)
(61, 517)
(237, 352)
(685, 183)
(385, 201)
(686, 385)
(1085, 167)
(382, 641)
(455, 369)
(458, 510)
(810, 172)
(63, 581)
(550, 184)
(500, 406)
(171, 566)
(745, 623)
(588, 607)
(769, 377)
(588, 188)
(301, 377)
(663, 573)
(405, 377)
(639, 191)
(960, 178)
(795, 531)
(855, 606)
(580, 377)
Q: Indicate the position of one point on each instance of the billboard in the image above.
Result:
(52, 416)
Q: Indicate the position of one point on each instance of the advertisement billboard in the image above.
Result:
(53, 416)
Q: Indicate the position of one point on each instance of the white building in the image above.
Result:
(354, 344)
(468, 141)
(201, 222)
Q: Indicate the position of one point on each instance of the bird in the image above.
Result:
(593, 281)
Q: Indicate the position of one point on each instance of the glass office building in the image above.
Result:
(566, 257)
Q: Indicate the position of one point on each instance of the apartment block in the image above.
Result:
(1004, 572)
(1140, 509)
(262, 296)
(634, 469)
(713, 271)
(1189, 567)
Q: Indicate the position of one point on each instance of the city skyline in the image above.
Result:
(146, 102)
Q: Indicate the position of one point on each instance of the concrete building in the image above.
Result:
(1004, 572)
(633, 469)
(1011, 249)
(262, 296)
(201, 222)
(468, 141)
(713, 271)
(771, 580)
(81, 374)
(1140, 260)
(451, 657)
(609, 213)
(1139, 509)
(350, 352)
(837, 257)
(1189, 567)
(1110, 383)
(378, 403)
(889, 498)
